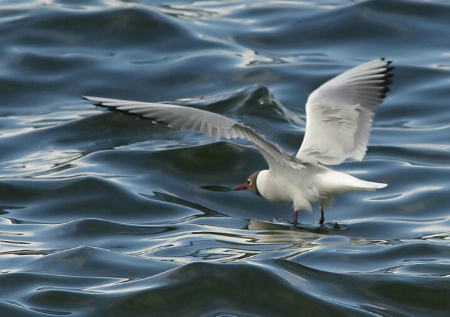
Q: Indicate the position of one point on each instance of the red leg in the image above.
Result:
(322, 217)
(295, 217)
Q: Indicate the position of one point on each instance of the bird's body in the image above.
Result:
(339, 116)
(314, 184)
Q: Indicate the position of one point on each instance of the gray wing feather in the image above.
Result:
(197, 120)
(339, 114)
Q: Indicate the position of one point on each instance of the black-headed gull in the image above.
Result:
(338, 119)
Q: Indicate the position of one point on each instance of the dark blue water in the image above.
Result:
(105, 215)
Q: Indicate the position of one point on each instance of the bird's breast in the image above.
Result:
(289, 187)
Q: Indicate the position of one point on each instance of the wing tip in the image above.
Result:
(388, 75)
(101, 102)
(95, 101)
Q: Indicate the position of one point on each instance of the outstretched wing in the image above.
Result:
(339, 114)
(208, 123)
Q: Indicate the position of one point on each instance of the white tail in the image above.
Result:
(344, 183)
(372, 185)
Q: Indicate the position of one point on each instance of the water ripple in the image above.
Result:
(106, 215)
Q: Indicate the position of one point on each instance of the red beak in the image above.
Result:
(241, 187)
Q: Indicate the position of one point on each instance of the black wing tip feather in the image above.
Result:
(123, 112)
(95, 103)
(388, 74)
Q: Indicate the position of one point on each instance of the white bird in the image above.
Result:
(338, 120)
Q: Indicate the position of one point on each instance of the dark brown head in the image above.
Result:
(250, 184)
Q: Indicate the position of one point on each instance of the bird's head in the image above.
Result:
(250, 184)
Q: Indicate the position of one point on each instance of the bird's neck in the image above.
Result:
(261, 182)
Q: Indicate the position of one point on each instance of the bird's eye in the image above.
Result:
(249, 182)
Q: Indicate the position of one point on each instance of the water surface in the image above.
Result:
(106, 215)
